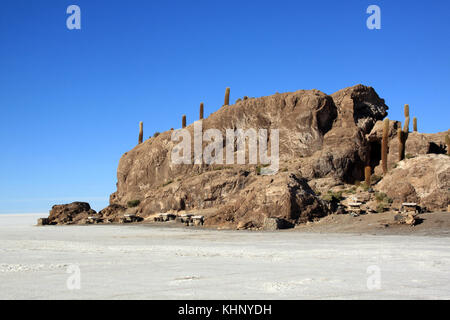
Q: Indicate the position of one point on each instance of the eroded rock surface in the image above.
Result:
(73, 213)
(416, 144)
(324, 141)
(320, 137)
(424, 179)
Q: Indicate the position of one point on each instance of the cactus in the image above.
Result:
(406, 125)
(183, 121)
(415, 124)
(227, 97)
(141, 132)
(367, 175)
(201, 111)
(447, 142)
(403, 136)
(406, 110)
(384, 145)
(401, 143)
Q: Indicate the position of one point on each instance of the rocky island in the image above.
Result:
(336, 152)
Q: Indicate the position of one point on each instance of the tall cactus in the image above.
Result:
(367, 175)
(406, 110)
(415, 124)
(201, 111)
(183, 121)
(406, 125)
(403, 136)
(227, 97)
(141, 132)
(384, 145)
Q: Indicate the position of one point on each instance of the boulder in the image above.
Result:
(376, 134)
(285, 196)
(112, 210)
(72, 213)
(416, 144)
(411, 219)
(272, 224)
(43, 222)
(424, 179)
(243, 225)
(358, 106)
(408, 219)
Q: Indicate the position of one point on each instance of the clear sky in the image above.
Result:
(71, 100)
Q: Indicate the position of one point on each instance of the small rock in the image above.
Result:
(272, 224)
(410, 220)
(42, 222)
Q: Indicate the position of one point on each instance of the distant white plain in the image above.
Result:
(143, 262)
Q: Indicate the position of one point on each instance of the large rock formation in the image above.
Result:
(324, 140)
(416, 144)
(320, 137)
(73, 213)
(424, 179)
(345, 151)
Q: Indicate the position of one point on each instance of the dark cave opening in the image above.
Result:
(375, 154)
(435, 148)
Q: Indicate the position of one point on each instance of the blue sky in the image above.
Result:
(71, 100)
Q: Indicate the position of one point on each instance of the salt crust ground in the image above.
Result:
(150, 262)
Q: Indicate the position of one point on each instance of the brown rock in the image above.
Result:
(272, 224)
(416, 144)
(376, 134)
(43, 222)
(424, 179)
(242, 225)
(287, 197)
(360, 107)
(112, 211)
(322, 141)
(72, 213)
(410, 219)
(321, 136)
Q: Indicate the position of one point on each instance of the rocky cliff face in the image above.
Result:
(320, 137)
(424, 179)
(73, 213)
(417, 144)
(325, 141)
